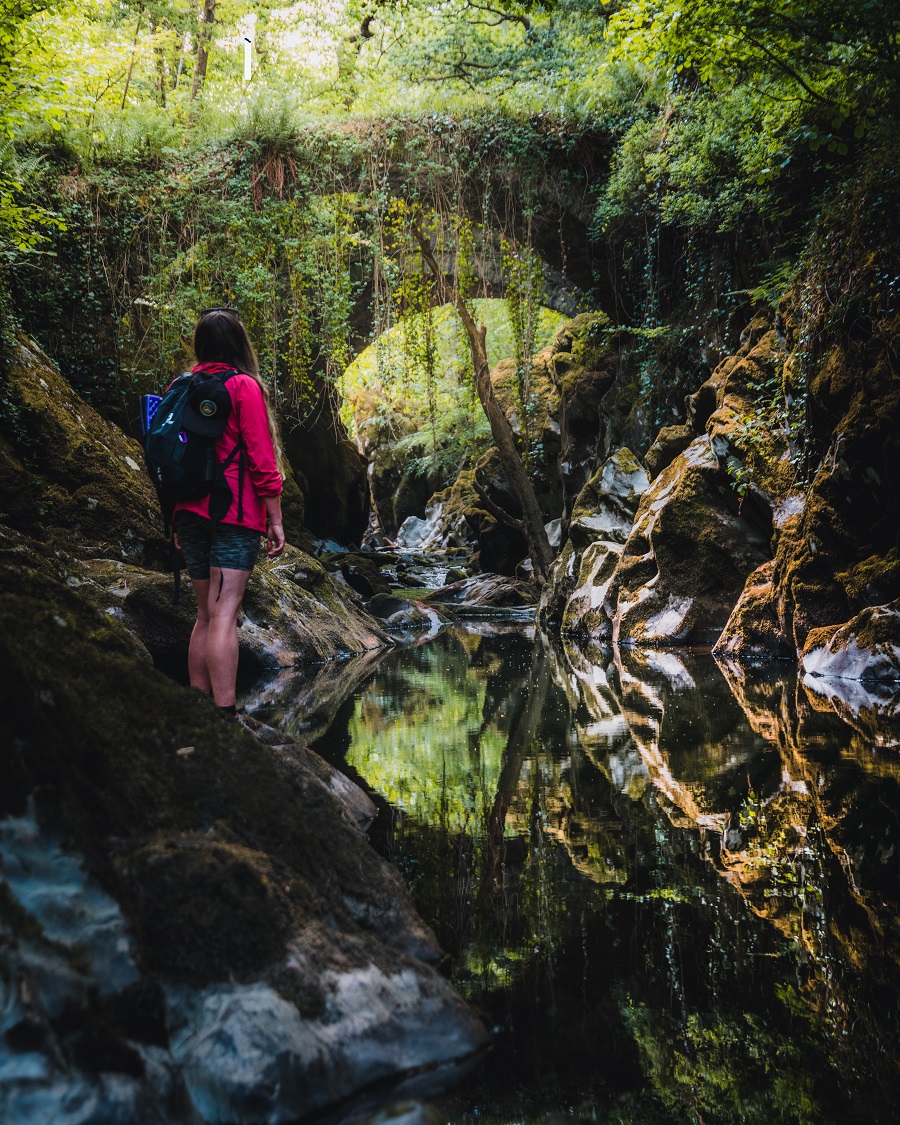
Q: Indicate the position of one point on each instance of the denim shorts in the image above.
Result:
(205, 543)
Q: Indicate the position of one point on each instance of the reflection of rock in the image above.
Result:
(870, 707)
(601, 522)
(302, 702)
(856, 670)
(280, 964)
(401, 617)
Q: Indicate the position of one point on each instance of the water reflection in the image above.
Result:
(671, 887)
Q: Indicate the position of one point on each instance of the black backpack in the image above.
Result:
(181, 462)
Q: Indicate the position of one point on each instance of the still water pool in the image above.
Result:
(671, 890)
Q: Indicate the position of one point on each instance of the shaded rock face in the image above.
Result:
(686, 559)
(837, 551)
(331, 473)
(703, 524)
(395, 491)
(598, 401)
(600, 524)
(75, 485)
(67, 476)
(221, 944)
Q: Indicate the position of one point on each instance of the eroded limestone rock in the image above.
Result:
(601, 523)
(836, 553)
(686, 559)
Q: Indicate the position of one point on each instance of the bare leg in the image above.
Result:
(197, 669)
(221, 634)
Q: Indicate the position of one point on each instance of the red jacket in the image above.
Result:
(249, 424)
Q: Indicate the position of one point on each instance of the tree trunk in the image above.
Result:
(539, 548)
(207, 19)
(134, 47)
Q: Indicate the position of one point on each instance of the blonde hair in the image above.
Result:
(220, 337)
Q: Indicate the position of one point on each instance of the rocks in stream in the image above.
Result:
(219, 942)
(484, 592)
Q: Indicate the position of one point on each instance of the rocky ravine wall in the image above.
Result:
(194, 927)
(727, 549)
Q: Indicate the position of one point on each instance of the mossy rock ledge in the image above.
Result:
(194, 926)
(75, 485)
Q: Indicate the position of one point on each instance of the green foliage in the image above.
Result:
(522, 276)
(424, 399)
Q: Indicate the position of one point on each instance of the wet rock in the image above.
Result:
(866, 648)
(484, 592)
(400, 615)
(594, 388)
(836, 552)
(600, 525)
(669, 442)
(364, 575)
(687, 557)
(293, 611)
(753, 633)
(215, 862)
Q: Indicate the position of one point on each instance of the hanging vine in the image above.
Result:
(522, 280)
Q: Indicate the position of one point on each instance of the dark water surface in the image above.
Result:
(673, 895)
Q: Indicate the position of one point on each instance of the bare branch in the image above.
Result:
(502, 17)
(495, 510)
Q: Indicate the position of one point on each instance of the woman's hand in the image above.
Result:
(275, 534)
(274, 539)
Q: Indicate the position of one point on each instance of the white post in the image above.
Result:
(248, 58)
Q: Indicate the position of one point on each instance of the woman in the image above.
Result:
(220, 554)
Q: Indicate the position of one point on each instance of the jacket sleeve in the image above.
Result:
(254, 426)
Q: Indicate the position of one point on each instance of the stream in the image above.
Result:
(670, 890)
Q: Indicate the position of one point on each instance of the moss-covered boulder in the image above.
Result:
(599, 401)
(67, 476)
(753, 633)
(219, 941)
(865, 648)
(293, 611)
(668, 443)
(600, 525)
